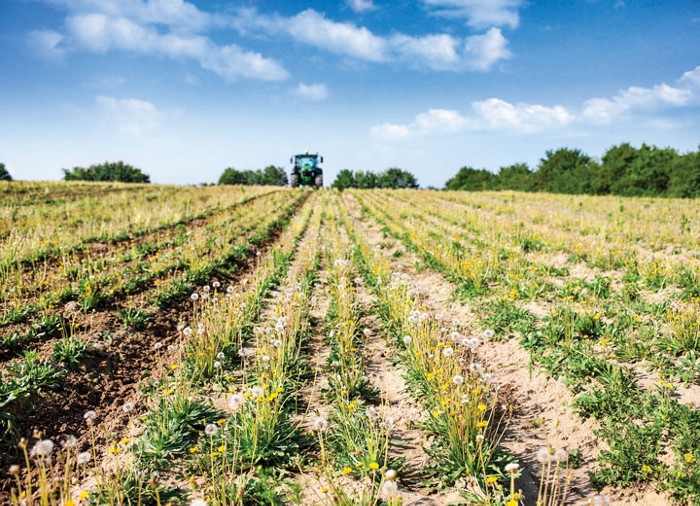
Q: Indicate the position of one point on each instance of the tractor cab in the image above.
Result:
(305, 170)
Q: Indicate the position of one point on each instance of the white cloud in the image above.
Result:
(315, 92)
(427, 123)
(636, 98)
(495, 114)
(130, 115)
(313, 28)
(47, 44)
(479, 13)
(488, 49)
(101, 33)
(361, 5)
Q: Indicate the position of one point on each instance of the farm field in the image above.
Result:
(232, 345)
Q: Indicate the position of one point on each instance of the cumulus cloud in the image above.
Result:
(479, 13)
(130, 115)
(101, 33)
(637, 98)
(495, 114)
(488, 49)
(361, 5)
(315, 29)
(315, 92)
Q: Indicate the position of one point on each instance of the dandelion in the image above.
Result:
(277, 343)
(127, 407)
(200, 329)
(367, 332)
(69, 442)
(83, 458)
(457, 379)
(187, 331)
(89, 416)
(488, 333)
(194, 296)
(448, 352)
(599, 500)
(320, 424)
(257, 392)
(42, 449)
(479, 437)
(265, 358)
(14, 469)
(171, 347)
(543, 455)
(216, 284)
(216, 364)
(512, 468)
(407, 340)
(475, 367)
(561, 456)
(389, 488)
(158, 345)
(211, 429)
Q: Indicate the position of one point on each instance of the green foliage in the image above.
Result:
(108, 171)
(623, 170)
(470, 179)
(70, 350)
(134, 318)
(269, 176)
(390, 178)
(4, 175)
(565, 171)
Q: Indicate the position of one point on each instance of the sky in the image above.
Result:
(183, 89)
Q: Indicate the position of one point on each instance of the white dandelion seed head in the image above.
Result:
(389, 488)
(127, 407)
(479, 437)
(158, 345)
(265, 358)
(90, 416)
(211, 429)
(194, 296)
(512, 467)
(277, 343)
(187, 331)
(391, 474)
(200, 328)
(367, 332)
(488, 333)
(235, 402)
(220, 355)
(543, 455)
(83, 458)
(561, 456)
(475, 367)
(407, 340)
(42, 449)
(257, 392)
(171, 347)
(455, 336)
(457, 379)
(216, 284)
(448, 352)
(70, 441)
(320, 424)
(599, 500)
(216, 364)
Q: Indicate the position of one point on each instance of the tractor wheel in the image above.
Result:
(295, 181)
(319, 181)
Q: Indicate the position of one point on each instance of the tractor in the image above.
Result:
(306, 171)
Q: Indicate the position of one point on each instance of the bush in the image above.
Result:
(108, 171)
(269, 176)
(4, 175)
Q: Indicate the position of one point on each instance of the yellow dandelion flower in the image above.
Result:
(124, 441)
(83, 495)
(347, 470)
(482, 407)
(646, 469)
(222, 448)
(482, 423)
(374, 465)
(194, 449)
(689, 458)
(491, 480)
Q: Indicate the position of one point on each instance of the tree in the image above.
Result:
(396, 178)
(344, 179)
(471, 179)
(684, 176)
(365, 180)
(274, 176)
(270, 175)
(4, 175)
(516, 177)
(566, 171)
(108, 171)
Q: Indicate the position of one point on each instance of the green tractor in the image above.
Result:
(306, 171)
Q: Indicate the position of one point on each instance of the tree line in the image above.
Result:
(390, 178)
(623, 170)
(269, 176)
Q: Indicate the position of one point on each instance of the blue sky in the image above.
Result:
(184, 89)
